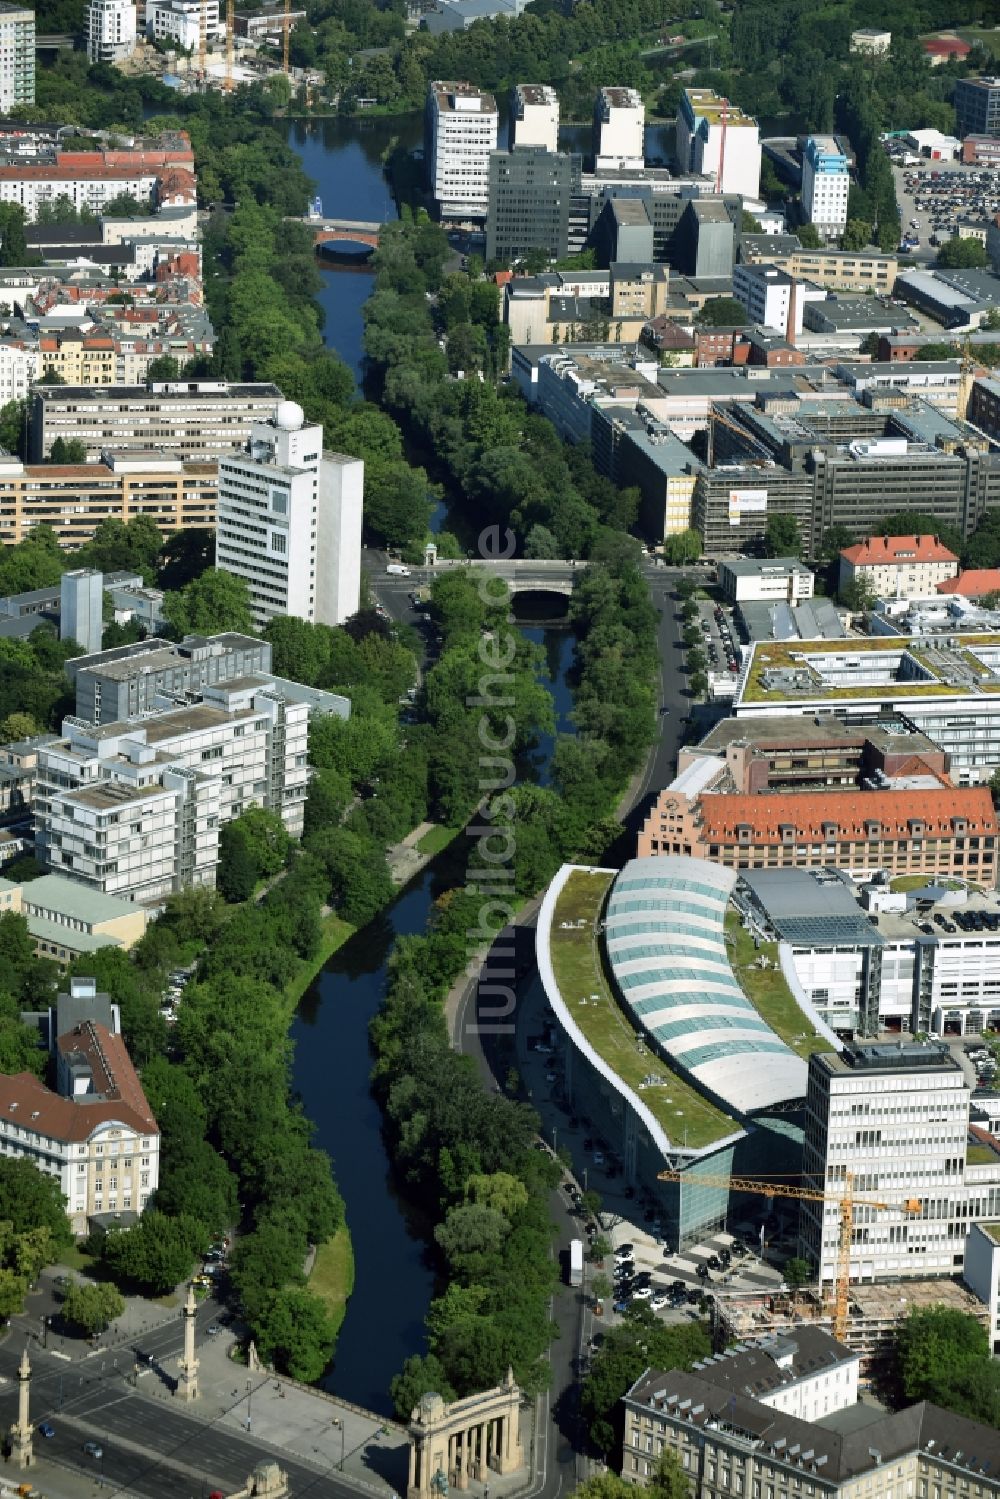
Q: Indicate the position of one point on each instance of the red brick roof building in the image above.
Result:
(974, 583)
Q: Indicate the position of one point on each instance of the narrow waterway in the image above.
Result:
(394, 1278)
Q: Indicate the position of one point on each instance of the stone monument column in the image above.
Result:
(187, 1384)
(20, 1433)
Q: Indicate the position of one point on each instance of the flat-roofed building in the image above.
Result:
(619, 129)
(530, 192)
(534, 116)
(66, 919)
(201, 419)
(871, 39)
(825, 183)
(130, 680)
(749, 578)
(461, 124)
(704, 122)
(137, 806)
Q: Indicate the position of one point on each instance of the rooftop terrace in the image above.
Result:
(802, 670)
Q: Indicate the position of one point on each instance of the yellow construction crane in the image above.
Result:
(845, 1203)
(230, 44)
(285, 36)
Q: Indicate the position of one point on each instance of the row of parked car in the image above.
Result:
(177, 981)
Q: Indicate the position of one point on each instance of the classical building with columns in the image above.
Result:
(469, 1439)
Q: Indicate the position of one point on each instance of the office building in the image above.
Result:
(461, 124)
(981, 1274)
(619, 130)
(896, 1117)
(709, 1077)
(534, 116)
(749, 579)
(530, 192)
(74, 499)
(934, 828)
(825, 184)
(65, 919)
(977, 106)
(111, 30)
(872, 961)
(771, 298)
(135, 807)
(290, 522)
(181, 23)
(198, 419)
(723, 1434)
(17, 57)
(703, 122)
(898, 566)
(95, 1134)
(81, 604)
(129, 680)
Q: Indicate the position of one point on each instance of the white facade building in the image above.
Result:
(289, 522)
(895, 1117)
(704, 122)
(619, 130)
(20, 367)
(461, 131)
(17, 56)
(178, 23)
(826, 182)
(96, 1135)
(111, 30)
(982, 1274)
(871, 39)
(135, 808)
(804, 1373)
(772, 580)
(534, 116)
(770, 297)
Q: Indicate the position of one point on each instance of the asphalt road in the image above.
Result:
(150, 1448)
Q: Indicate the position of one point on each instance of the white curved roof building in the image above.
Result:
(666, 946)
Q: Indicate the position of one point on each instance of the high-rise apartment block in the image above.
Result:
(17, 56)
(716, 139)
(290, 521)
(619, 130)
(134, 808)
(461, 124)
(111, 30)
(825, 184)
(534, 116)
(895, 1119)
(977, 106)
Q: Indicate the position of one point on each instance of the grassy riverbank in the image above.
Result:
(332, 1274)
(335, 933)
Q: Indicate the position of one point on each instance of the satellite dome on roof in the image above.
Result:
(289, 415)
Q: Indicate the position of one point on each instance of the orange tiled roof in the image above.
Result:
(765, 814)
(973, 583)
(898, 549)
(27, 1100)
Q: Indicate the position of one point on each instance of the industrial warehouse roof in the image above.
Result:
(665, 939)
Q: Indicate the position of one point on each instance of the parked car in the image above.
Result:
(93, 1449)
(46, 1429)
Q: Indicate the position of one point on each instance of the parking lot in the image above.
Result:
(935, 195)
(723, 1262)
(719, 632)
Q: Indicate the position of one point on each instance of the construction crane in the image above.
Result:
(715, 415)
(845, 1202)
(285, 36)
(722, 146)
(227, 82)
(203, 38)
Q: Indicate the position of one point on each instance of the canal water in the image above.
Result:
(394, 1277)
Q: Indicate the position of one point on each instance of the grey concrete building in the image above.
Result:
(977, 106)
(197, 419)
(529, 202)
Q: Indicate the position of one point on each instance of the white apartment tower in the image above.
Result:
(826, 182)
(289, 521)
(17, 56)
(461, 125)
(717, 140)
(111, 30)
(619, 130)
(534, 116)
(894, 1117)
